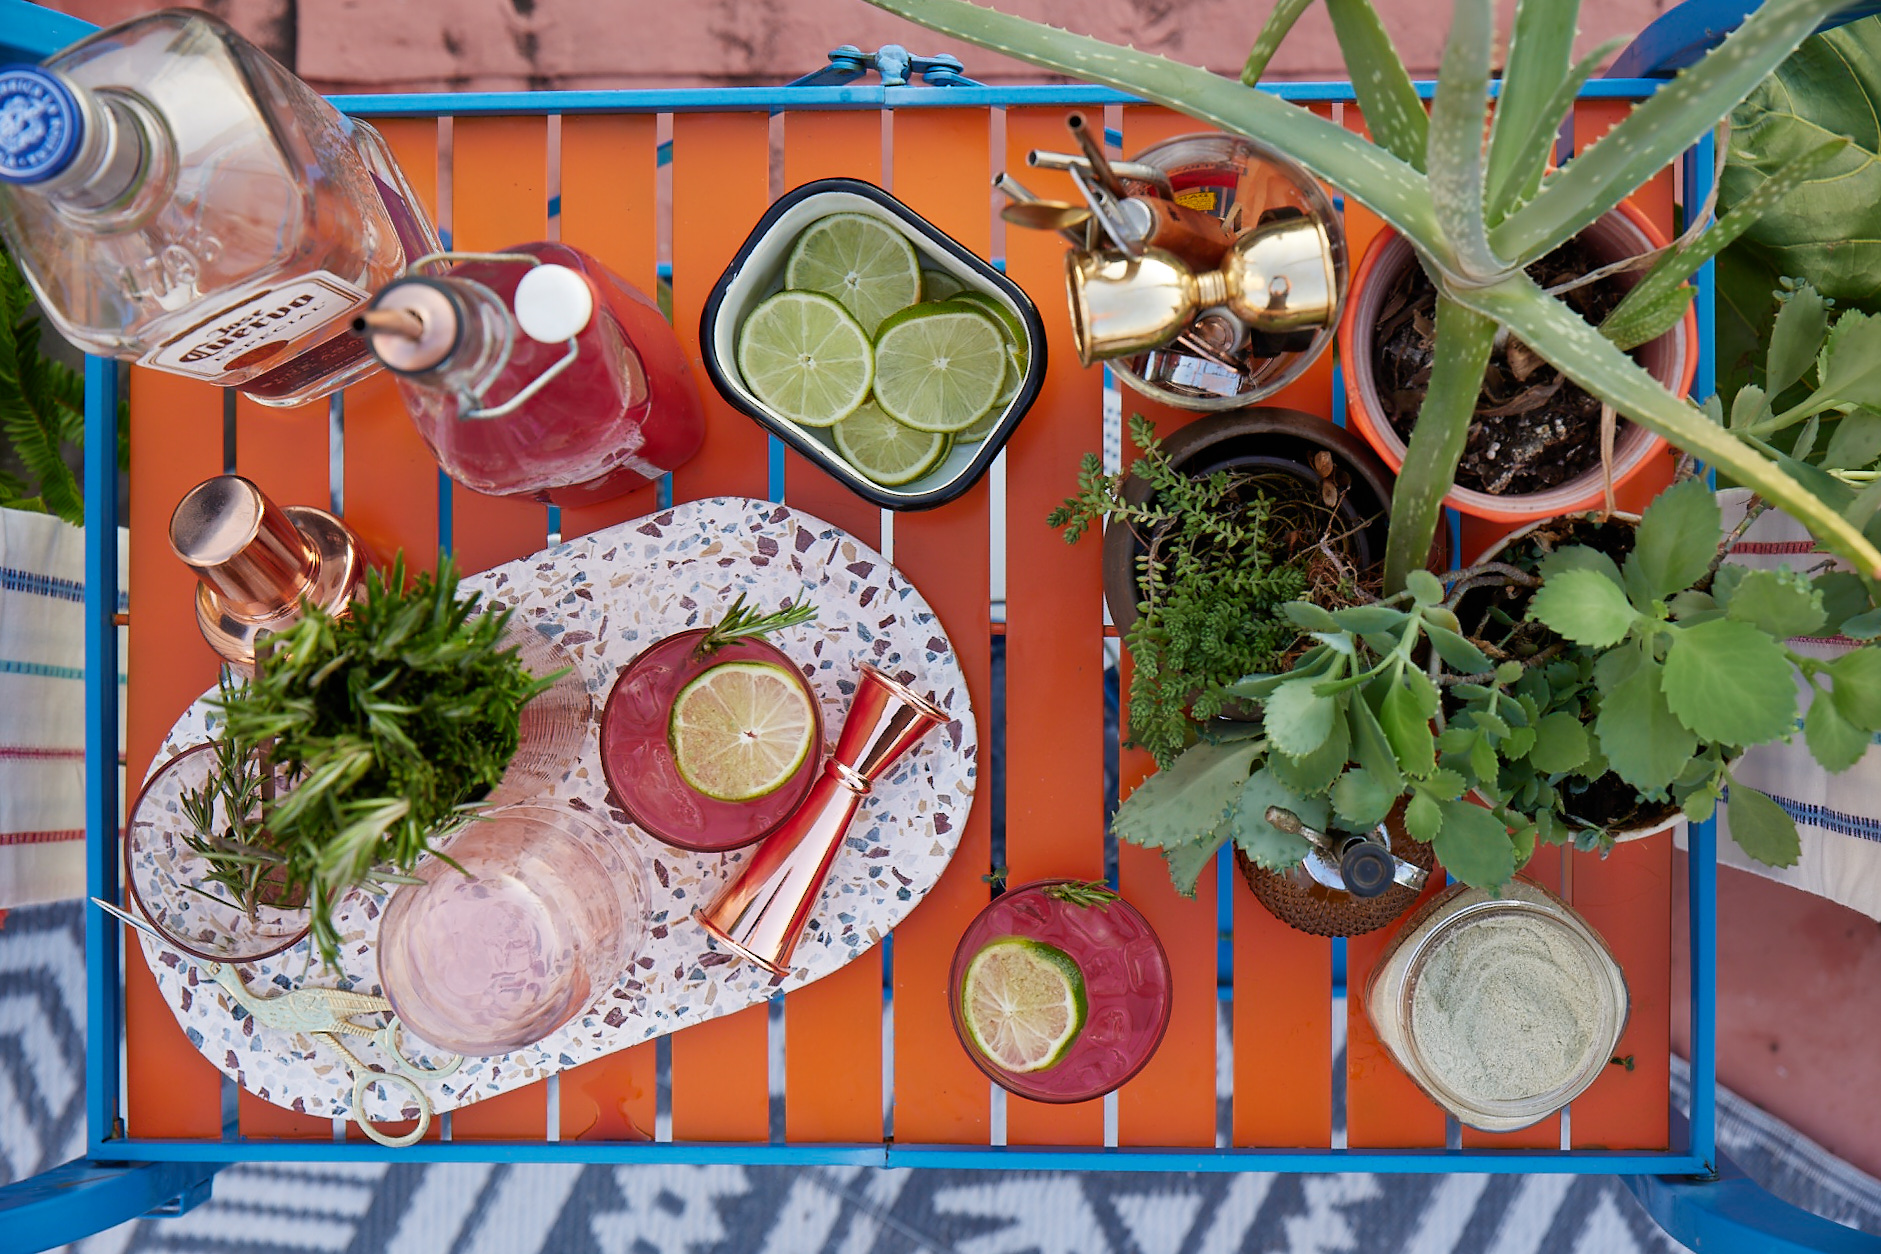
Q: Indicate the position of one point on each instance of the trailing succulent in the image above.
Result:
(1217, 568)
(386, 724)
(1479, 213)
(1661, 669)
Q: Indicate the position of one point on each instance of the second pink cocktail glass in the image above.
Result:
(1126, 979)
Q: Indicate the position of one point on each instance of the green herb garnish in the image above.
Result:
(740, 623)
(387, 725)
(1086, 893)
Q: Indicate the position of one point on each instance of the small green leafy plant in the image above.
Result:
(1659, 671)
(1222, 554)
(1818, 410)
(1478, 213)
(387, 725)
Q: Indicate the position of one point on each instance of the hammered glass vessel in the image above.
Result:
(544, 910)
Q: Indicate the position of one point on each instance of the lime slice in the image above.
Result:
(939, 285)
(859, 259)
(885, 451)
(1023, 1002)
(1008, 320)
(741, 729)
(940, 366)
(1018, 357)
(806, 358)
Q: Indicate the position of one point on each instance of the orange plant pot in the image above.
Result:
(1672, 359)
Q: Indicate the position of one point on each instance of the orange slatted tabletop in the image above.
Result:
(867, 1058)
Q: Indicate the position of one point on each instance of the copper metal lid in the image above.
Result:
(258, 562)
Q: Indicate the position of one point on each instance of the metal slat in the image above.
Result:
(721, 174)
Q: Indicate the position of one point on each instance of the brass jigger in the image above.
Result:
(1279, 277)
(258, 562)
(761, 913)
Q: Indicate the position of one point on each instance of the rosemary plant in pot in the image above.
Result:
(1477, 214)
(386, 729)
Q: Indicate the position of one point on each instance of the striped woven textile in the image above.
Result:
(1838, 816)
(42, 731)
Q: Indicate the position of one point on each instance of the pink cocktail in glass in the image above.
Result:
(1126, 981)
(637, 758)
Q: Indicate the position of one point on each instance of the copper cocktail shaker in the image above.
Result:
(258, 562)
(761, 913)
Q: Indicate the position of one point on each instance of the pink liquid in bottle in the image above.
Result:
(1126, 982)
(623, 413)
(637, 757)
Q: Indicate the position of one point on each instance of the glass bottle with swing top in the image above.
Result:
(538, 373)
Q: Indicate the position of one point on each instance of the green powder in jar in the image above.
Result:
(1505, 1009)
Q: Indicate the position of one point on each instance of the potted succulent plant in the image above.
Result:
(1623, 681)
(385, 729)
(1210, 533)
(1477, 215)
(1534, 445)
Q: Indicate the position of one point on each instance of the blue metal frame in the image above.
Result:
(127, 1176)
(1684, 1158)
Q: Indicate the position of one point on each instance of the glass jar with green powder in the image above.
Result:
(1502, 1009)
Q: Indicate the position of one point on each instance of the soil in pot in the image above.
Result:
(1609, 802)
(1533, 430)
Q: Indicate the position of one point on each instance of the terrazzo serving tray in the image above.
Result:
(604, 598)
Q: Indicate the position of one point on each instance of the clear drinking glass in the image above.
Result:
(166, 877)
(176, 197)
(1126, 980)
(1551, 1003)
(550, 729)
(548, 910)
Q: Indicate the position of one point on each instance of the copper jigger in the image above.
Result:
(258, 562)
(1277, 278)
(761, 913)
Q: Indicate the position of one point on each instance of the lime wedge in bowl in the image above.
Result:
(861, 260)
(806, 357)
(1024, 1003)
(740, 730)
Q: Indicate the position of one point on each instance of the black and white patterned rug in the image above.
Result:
(483, 1209)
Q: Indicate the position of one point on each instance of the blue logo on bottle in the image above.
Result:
(40, 125)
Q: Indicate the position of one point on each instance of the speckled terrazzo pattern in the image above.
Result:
(604, 598)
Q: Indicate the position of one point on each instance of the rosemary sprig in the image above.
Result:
(740, 623)
(1086, 893)
(384, 725)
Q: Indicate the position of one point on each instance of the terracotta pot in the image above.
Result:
(1672, 359)
(1262, 439)
(1655, 817)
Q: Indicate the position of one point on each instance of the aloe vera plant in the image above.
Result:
(1477, 213)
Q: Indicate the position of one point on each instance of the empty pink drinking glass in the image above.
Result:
(547, 911)
(1126, 982)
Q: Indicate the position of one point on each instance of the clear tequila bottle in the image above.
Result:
(178, 198)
